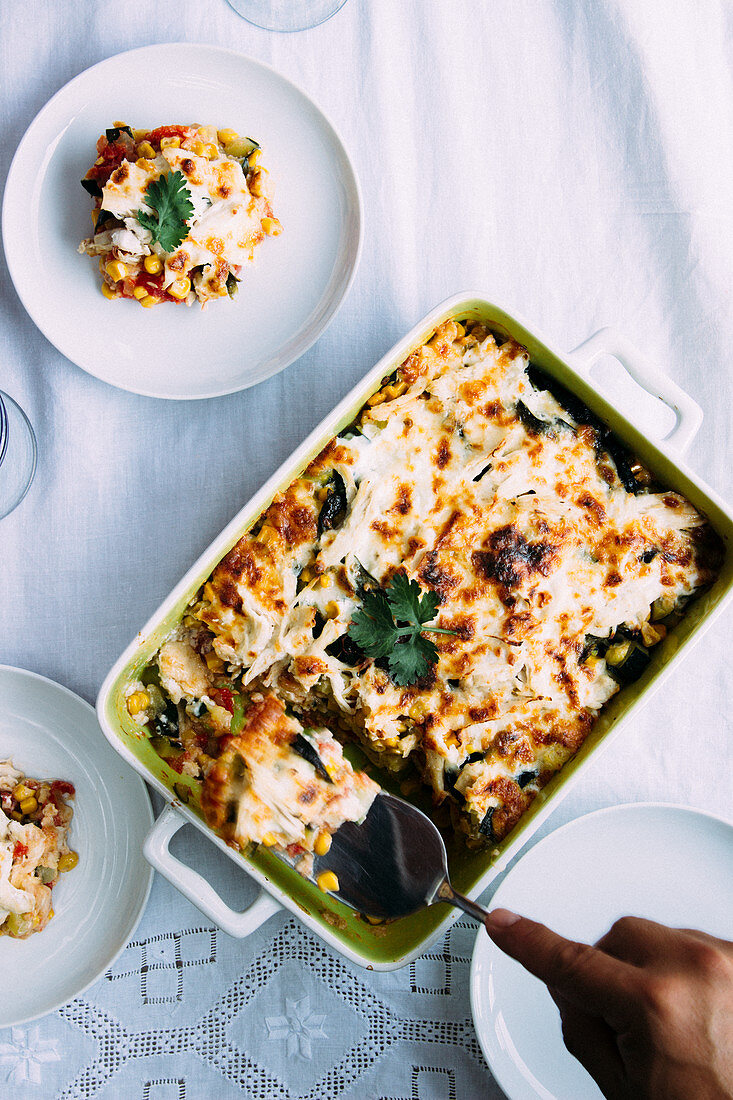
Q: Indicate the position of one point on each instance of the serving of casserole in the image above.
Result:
(178, 212)
(565, 558)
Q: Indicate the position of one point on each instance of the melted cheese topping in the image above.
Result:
(23, 850)
(231, 215)
(262, 788)
(226, 223)
(484, 488)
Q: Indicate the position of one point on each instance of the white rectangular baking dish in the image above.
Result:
(391, 946)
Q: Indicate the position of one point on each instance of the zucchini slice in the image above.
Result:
(486, 828)
(626, 660)
(333, 510)
(304, 748)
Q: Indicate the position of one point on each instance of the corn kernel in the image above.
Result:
(322, 493)
(109, 291)
(651, 633)
(226, 137)
(16, 816)
(322, 844)
(153, 264)
(116, 270)
(21, 792)
(417, 711)
(254, 156)
(68, 861)
(144, 165)
(376, 399)
(271, 226)
(198, 147)
(137, 702)
(147, 301)
(170, 143)
(28, 805)
(119, 125)
(255, 182)
(211, 151)
(327, 881)
(306, 574)
(374, 920)
(214, 661)
(180, 288)
(332, 609)
(324, 581)
(145, 149)
(269, 840)
(140, 292)
(267, 533)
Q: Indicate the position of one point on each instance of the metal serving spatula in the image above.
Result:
(393, 864)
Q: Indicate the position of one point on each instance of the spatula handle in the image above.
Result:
(447, 893)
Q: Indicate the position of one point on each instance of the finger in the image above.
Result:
(586, 977)
(641, 942)
(635, 940)
(726, 946)
(593, 1042)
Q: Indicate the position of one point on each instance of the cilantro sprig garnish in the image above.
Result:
(170, 199)
(389, 624)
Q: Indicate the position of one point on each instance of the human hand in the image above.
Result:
(648, 1010)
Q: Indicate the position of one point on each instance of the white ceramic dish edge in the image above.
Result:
(317, 325)
(143, 901)
(194, 886)
(479, 994)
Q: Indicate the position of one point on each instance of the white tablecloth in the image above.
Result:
(573, 160)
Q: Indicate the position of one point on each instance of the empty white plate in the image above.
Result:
(48, 732)
(288, 295)
(671, 864)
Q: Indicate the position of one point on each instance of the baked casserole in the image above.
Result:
(178, 212)
(548, 558)
(35, 816)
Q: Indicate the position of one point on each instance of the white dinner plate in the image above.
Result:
(667, 863)
(48, 732)
(288, 295)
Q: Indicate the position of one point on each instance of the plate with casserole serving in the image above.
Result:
(73, 884)
(468, 576)
(196, 181)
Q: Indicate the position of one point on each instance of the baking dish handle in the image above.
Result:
(609, 342)
(194, 887)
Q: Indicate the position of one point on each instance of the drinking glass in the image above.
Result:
(286, 15)
(17, 454)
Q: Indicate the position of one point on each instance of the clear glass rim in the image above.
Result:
(7, 400)
(269, 26)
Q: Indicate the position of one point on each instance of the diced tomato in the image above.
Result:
(224, 697)
(177, 762)
(61, 787)
(294, 850)
(169, 131)
(112, 156)
(152, 285)
(20, 851)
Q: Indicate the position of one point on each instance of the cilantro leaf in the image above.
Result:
(389, 624)
(372, 626)
(404, 599)
(411, 659)
(170, 199)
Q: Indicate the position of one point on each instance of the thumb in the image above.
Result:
(581, 974)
